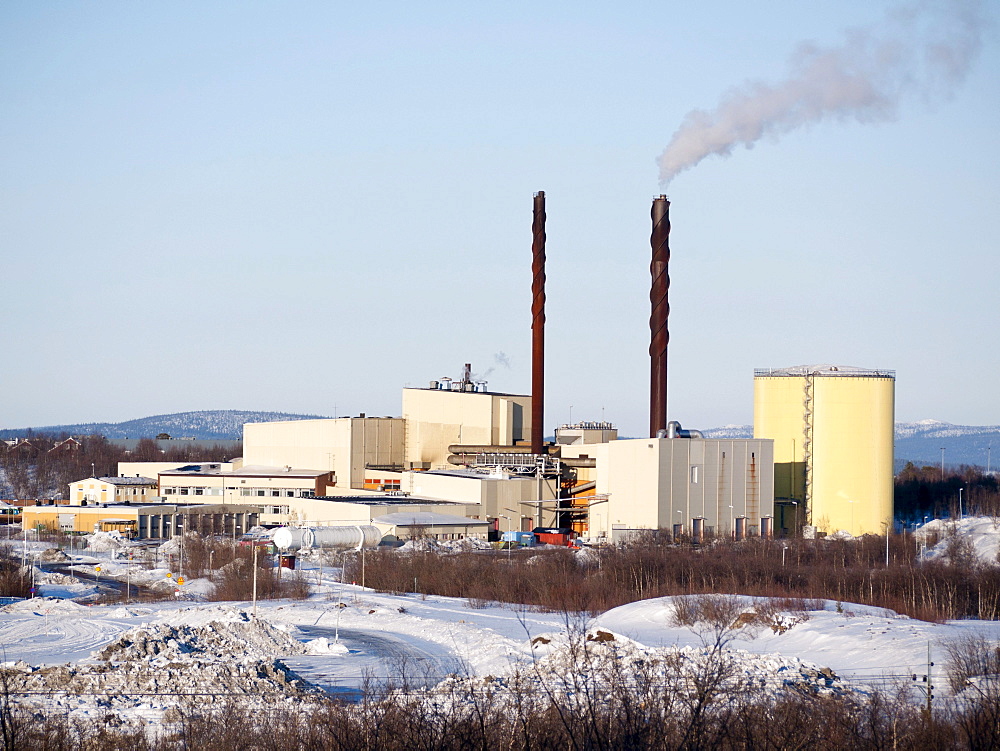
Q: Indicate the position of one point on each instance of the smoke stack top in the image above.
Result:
(923, 48)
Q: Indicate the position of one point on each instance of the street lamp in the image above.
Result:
(942, 464)
(961, 514)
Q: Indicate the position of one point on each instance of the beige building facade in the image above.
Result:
(104, 490)
(437, 418)
(656, 483)
(345, 446)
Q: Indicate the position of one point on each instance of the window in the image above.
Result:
(199, 491)
(289, 493)
(244, 491)
(275, 493)
(169, 491)
(183, 491)
(260, 492)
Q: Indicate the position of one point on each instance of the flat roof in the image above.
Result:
(429, 519)
(388, 500)
(255, 470)
(843, 371)
(124, 480)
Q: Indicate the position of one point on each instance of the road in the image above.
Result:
(375, 659)
(105, 585)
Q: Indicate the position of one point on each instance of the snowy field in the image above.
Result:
(140, 659)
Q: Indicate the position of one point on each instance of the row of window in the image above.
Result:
(271, 493)
(251, 492)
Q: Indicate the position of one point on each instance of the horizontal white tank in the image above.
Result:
(327, 538)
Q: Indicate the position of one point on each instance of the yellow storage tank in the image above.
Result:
(832, 428)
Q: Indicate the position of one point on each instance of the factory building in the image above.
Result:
(349, 447)
(832, 428)
(460, 450)
(690, 486)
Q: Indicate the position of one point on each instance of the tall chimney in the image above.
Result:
(537, 322)
(660, 309)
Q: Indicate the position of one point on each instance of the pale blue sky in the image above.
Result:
(305, 206)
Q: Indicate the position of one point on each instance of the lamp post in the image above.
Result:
(509, 524)
(942, 464)
(961, 514)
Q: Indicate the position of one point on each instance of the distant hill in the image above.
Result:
(921, 442)
(219, 424)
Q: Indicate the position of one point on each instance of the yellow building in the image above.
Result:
(105, 490)
(832, 428)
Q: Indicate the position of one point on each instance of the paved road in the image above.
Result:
(376, 658)
(105, 585)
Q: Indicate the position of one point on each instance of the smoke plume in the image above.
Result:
(922, 49)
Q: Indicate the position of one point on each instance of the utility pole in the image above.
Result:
(255, 580)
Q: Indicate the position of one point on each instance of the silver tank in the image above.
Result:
(327, 538)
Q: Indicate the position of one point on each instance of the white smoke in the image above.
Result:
(500, 360)
(924, 49)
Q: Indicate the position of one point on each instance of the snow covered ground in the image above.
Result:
(343, 633)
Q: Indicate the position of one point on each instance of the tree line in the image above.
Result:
(44, 468)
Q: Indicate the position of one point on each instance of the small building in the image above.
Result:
(113, 490)
(159, 521)
(431, 524)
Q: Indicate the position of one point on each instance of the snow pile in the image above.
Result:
(151, 667)
(244, 638)
(53, 555)
(428, 545)
(976, 539)
(840, 534)
(105, 542)
(46, 604)
(598, 661)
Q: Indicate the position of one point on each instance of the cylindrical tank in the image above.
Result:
(697, 529)
(741, 527)
(832, 428)
(678, 531)
(766, 527)
(327, 538)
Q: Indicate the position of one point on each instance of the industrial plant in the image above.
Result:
(463, 461)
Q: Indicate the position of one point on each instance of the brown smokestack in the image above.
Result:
(659, 336)
(537, 322)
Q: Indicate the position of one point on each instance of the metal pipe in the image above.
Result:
(674, 430)
(538, 322)
(458, 448)
(659, 311)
